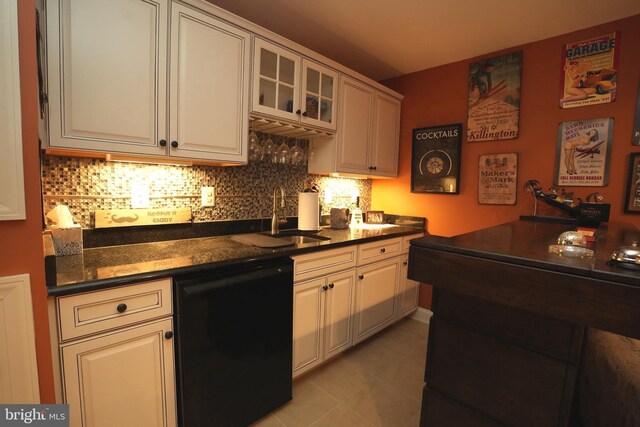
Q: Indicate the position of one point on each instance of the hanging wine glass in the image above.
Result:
(256, 153)
(283, 153)
(297, 154)
(268, 149)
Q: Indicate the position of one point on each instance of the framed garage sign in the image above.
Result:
(435, 159)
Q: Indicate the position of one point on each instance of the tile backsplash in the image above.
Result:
(242, 192)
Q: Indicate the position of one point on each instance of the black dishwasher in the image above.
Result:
(233, 342)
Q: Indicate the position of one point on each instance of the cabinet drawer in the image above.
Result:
(406, 242)
(377, 251)
(99, 311)
(322, 263)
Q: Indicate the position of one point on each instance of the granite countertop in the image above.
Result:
(103, 267)
(526, 243)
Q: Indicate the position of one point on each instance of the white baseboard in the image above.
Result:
(422, 315)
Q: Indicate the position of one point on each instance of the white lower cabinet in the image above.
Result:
(343, 296)
(376, 290)
(322, 310)
(408, 290)
(117, 356)
(124, 378)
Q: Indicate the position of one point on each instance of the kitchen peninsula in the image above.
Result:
(508, 331)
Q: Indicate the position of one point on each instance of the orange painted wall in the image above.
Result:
(438, 96)
(21, 241)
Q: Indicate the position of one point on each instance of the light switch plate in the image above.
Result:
(208, 197)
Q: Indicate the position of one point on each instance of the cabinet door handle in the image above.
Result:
(405, 263)
(305, 114)
(162, 143)
(121, 308)
(168, 335)
(331, 285)
(375, 168)
(325, 287)
(174, 144)
(298, 112)
(382, 250)
(361, 277)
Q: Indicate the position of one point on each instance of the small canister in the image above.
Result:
(339, 218)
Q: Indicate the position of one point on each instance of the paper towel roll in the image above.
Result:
(308, 211)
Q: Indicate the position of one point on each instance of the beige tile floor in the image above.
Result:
(377, 383)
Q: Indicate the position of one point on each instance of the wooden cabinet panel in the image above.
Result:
(208, 87)
(383, 154)
(11, 169)
(375, 297)
(93, 312)
(18, 368)
(408, 290)
(379, 250)
(107, 74)
(506, 382)
(124, 378)
(308, 318)
(354, 128)
(551, 337)
(438, 411)
(338, 311)
(324, 262)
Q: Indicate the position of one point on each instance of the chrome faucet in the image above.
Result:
(275, 221)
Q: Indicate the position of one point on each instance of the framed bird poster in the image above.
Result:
(435, 159)
(583, 152)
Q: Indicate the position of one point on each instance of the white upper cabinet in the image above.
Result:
(383, 151)
(319, 90)
(367, 139)
(11, 169)
(107, 75)
(209, 87)
(293, 88)
(276, 80)
(108, 78)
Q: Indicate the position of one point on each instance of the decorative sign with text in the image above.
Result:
(635, 139)
(498, 179)
(435, 159)
(583, 152)
(589, 73)
(131, 217)
(494, 98)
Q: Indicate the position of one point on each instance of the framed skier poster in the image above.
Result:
(583, 151)
(494, 98)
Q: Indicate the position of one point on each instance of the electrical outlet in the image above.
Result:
(139, 196)
(208, 197)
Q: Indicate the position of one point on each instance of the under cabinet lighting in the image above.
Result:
(132, 159)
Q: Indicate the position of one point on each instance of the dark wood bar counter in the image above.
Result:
(507, 335)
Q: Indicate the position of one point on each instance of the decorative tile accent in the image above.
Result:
(242, 192)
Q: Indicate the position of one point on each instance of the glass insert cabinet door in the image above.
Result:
(319, 88)
(276, 81)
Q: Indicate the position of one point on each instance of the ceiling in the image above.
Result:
(383, 38)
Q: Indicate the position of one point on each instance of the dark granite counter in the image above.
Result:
(526, 243)
(103, 267)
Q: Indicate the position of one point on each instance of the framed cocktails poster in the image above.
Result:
(435, 159)
(583, 151)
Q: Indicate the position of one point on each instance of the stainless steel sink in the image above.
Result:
(299, 238)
